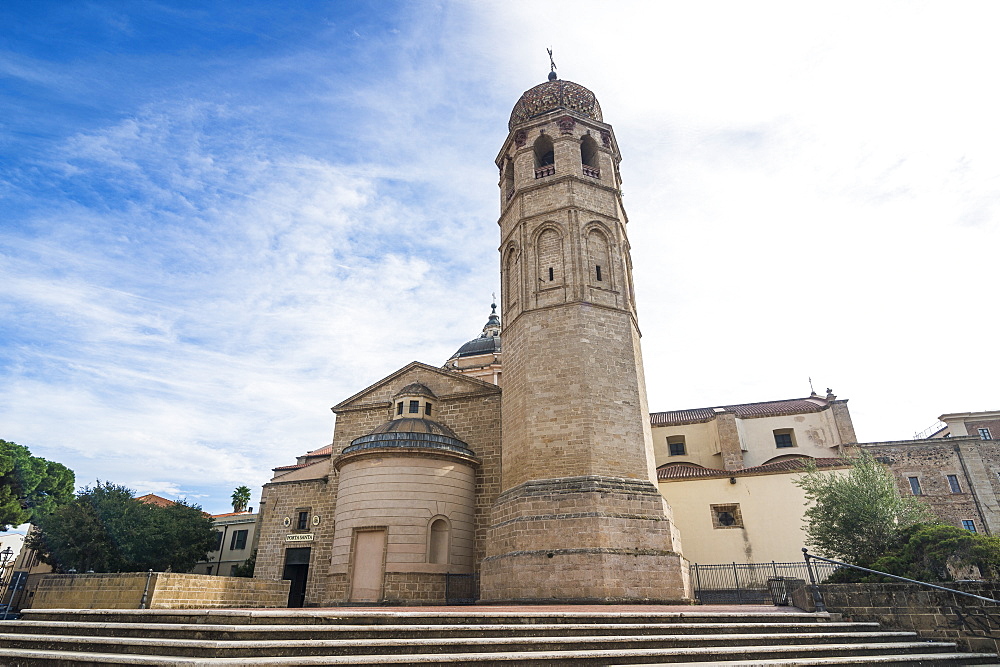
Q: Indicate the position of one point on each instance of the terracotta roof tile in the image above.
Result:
(153, 499)
(693, 471)
(742, 410)
(220, 516)
(291, 467)
(322, 451)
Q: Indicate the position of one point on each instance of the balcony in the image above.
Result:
(547, 170)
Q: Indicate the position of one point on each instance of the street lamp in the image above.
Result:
(6, 556)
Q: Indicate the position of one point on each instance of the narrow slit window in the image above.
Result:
(599, 279)
(915, 485)
(399, 408)
(552, 274)
(427, 409)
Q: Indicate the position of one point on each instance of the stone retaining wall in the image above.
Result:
(973, 624)
(167, 590)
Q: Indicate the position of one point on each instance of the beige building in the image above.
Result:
(728, 472)
(236, 532)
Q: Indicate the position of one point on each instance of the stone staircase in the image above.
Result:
(480, 636)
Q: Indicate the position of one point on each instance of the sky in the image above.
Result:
(217, 220)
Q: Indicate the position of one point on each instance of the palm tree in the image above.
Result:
(241, 498)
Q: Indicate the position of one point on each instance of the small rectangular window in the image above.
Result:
(218, 541)
(552, 274)
(303, 521)
(427, 409)
(953, 484)
(968, 524)
(239, 540)
(915, 485)
(599, 273)
(783, 438)
(414, 407)
(399, 408)
(208, 570)
(984, 434)
(675, 445)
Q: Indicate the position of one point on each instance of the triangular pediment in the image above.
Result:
(445, 384)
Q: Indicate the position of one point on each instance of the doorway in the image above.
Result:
(369, 566)
(297, 571)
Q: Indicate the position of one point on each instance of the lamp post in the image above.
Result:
(6, 556)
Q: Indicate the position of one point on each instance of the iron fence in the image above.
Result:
(752, 583)
(461, 588)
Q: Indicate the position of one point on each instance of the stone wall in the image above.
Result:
(167, 590)
(937, 615)
(284, 499)
(975, 464)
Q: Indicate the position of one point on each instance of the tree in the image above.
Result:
(933, 552)
(105, 529)
(246, 568)
(241, 498)
(30, 484)
(858, 516)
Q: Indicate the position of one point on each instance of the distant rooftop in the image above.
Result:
(789, 406)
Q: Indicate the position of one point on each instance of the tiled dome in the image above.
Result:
(411, 434)
(552, 95)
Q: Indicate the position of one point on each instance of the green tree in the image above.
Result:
(246, 568)
(106, 529)
(241, 498)
(858, 516)
(933, 552)
(30, 484)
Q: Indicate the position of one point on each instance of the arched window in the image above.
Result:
(550, 258)
(508, 179)
(545, 157)
(599, 256)
(590, 157)
(512, 280)
(437, 548)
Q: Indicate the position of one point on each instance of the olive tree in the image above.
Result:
(858, 515)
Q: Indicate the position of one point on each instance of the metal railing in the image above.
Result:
(818, 596)
(461, 588)
(746, 583)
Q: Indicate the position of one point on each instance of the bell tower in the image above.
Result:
(579, 517)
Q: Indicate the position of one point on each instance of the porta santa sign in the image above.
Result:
(299, 537)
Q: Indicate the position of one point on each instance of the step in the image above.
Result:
(382, 617)
(214, 649)
(277, 632)
(792, 655)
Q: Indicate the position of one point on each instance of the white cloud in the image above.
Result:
(812, 191)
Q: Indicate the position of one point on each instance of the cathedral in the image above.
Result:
(530, 467)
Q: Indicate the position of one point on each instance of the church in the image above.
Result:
(535, 467)
(531, 468)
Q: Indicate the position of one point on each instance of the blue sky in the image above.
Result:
(219, 219)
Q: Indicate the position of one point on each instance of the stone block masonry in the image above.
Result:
(166, 590)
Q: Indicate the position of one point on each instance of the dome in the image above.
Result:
(552, 95)
(482, 345)
(410, 433)
(487, 342)
(415, 389)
